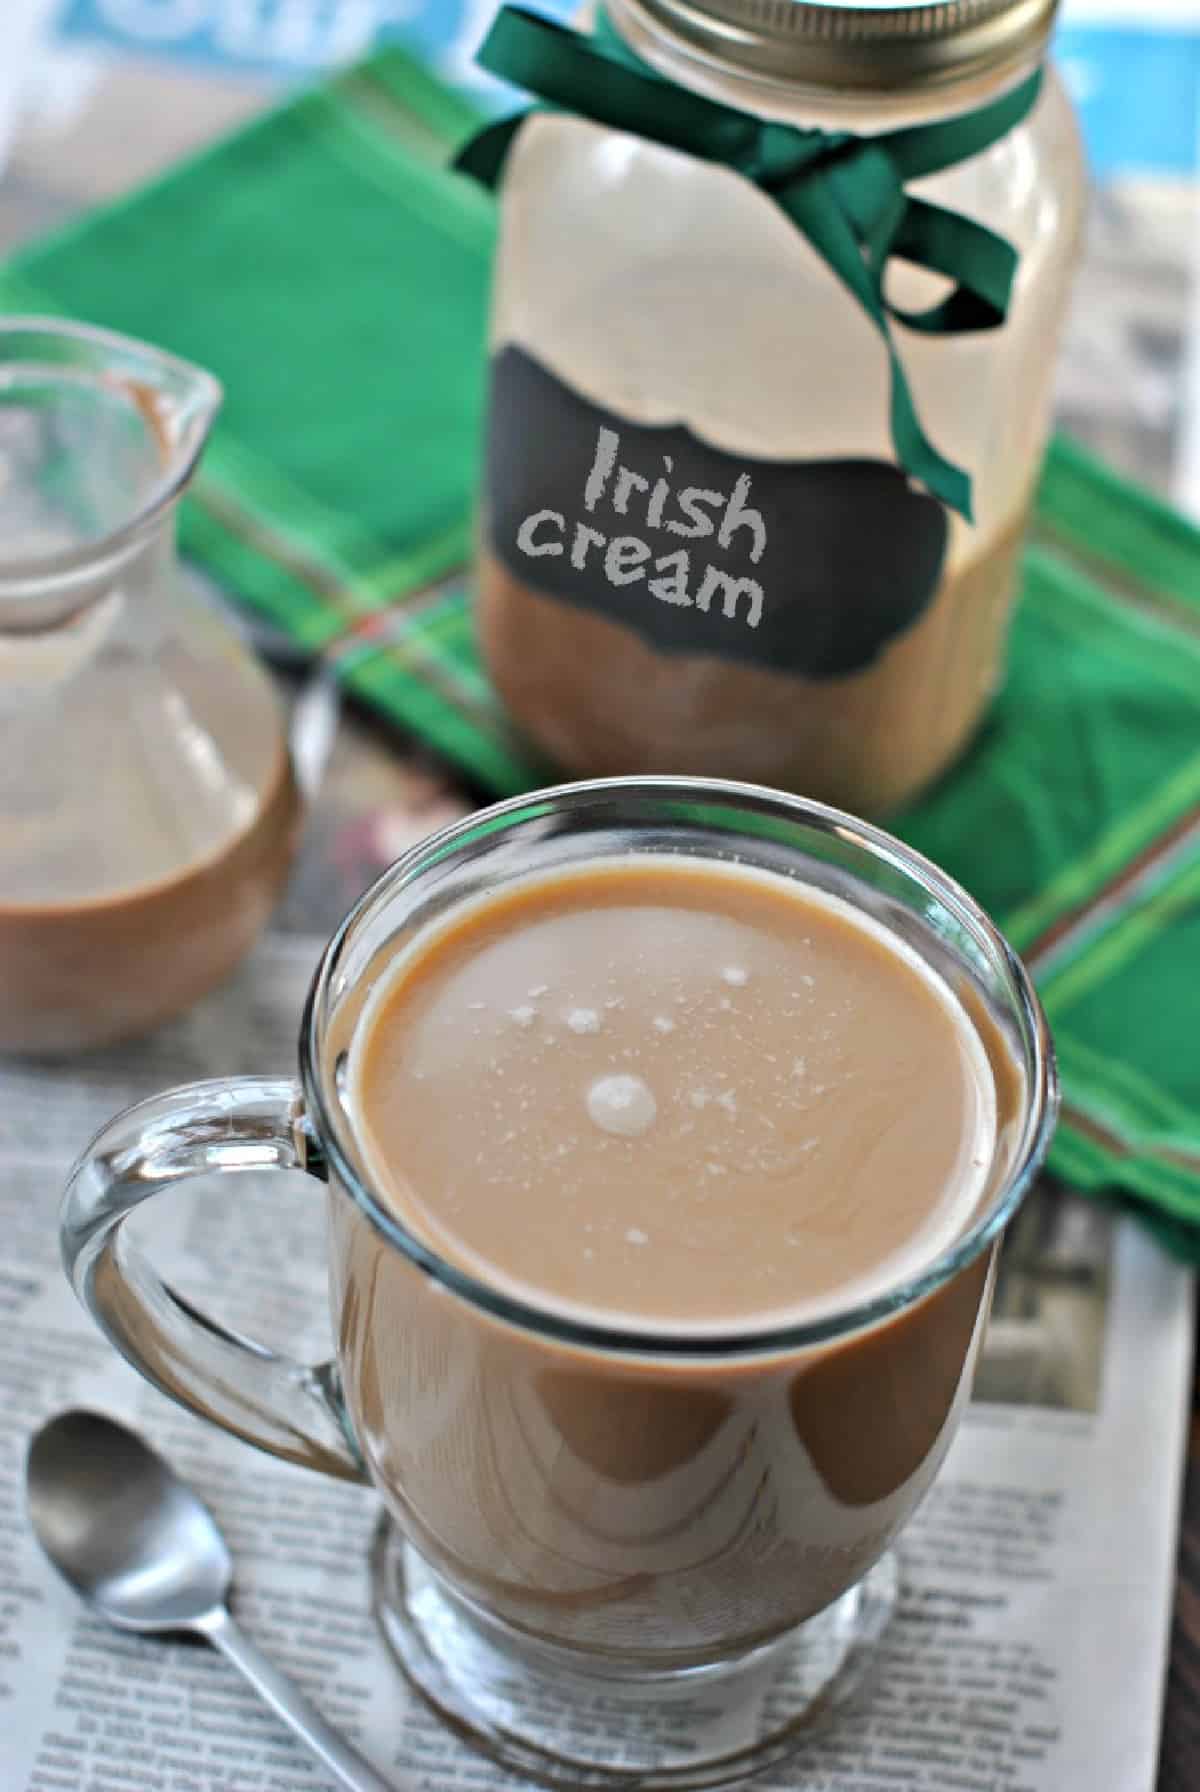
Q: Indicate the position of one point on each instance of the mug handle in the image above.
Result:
(288, 1408)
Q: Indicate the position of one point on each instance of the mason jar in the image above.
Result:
(699, 550)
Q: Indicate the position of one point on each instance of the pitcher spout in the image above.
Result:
(99, 436)
(179, 402)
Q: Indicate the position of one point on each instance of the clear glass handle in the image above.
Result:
(287, 1408)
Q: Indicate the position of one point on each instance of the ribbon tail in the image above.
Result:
(484, 156)
(813, 208)
(982, 265)
(915, 452)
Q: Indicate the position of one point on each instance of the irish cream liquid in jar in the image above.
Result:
(699, 552)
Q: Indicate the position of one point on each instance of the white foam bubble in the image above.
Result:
(539, 990)
(663, 1023)
(635, 1235)
(524, 1015)
(736, 974)
(583, 1020)
(622, 1105)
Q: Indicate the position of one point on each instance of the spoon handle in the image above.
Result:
(288, 1702)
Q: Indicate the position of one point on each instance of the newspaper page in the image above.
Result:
(1028, 1653)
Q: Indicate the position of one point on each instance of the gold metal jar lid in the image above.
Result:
(872, 45)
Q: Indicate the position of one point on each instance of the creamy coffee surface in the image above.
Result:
(670, 1092)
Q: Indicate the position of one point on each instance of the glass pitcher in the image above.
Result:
(148, 810)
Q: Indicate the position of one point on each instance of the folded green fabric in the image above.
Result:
(325, 265)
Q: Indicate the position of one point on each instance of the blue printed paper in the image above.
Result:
(1138, 96)
(1137, 86)
(284, 38)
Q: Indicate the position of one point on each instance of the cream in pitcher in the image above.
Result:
(148, 811)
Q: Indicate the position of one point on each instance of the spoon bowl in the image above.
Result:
(122, 1528)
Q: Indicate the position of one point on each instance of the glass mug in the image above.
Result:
(606, 1557)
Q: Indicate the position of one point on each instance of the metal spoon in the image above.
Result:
(139, 1546)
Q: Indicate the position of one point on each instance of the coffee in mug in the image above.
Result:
(679, 1098)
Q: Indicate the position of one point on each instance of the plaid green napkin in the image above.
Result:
(331, 272)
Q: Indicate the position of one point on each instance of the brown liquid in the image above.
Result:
(82, 974)
(673, 1093)
(599, 700)
(663, 1508)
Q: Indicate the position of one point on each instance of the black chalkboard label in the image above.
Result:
(805, 566)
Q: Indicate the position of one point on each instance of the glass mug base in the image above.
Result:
(564, 1719)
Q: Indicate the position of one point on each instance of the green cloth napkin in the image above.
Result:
(325, 265)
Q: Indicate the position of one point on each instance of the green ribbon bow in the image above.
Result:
(845, 193)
